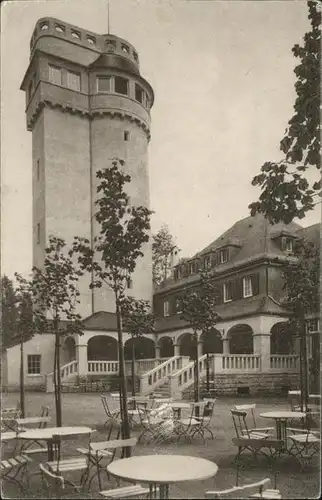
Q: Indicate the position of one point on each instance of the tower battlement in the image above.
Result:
(106, 43)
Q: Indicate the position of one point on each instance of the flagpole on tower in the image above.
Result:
(108, 17)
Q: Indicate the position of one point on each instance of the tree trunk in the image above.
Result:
(133, 371)
(196, 373)
(207, 373)
(57, 376)
(304, 365)
(22, 384)
(123, 388)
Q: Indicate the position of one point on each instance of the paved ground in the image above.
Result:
(86, 409)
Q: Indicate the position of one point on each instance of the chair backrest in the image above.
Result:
(240, 424)
(245, 491)
(106, 406)
(197, 409)
(208, 409)
(144, 416)
(119, 445)
(44, 414)
(59, 439)
(52, 480)
(250, 409)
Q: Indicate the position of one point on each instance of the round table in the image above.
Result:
(177, 407)
(281, 417)
(162, 470)
(47, 434)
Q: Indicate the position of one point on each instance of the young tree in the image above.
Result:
(16, 323)
(163, 249)
(138, 320)
(287, 190)
(9, 313)
(198, 306)
(111, 258)
(55, 296)
(301, 298)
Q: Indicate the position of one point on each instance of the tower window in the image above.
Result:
(121, 85)
(139, 93)
(126, 135)
(55, 75)
(60, 28)
(91, 40)
(38, 169)
(38, 233)
(44, 27)
(103, 84)
(125, 48)
(75, 34)
(166, 308)
(73, 81)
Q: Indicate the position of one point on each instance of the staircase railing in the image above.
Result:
(143, 365)
(184, 378)
(155, 377)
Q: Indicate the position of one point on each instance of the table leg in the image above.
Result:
(50, 451)
(164, 491)
(281, 433)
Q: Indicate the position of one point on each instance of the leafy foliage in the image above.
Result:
(301, 280)
(287, 191)
(163, 247)
(123, 230)
(54, 294)
(112, 256)
(198, 306)
(137, 316)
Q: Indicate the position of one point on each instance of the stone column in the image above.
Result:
(262, 346)
(176, 350)
(157, 351)
(81, 354)
(225, 346)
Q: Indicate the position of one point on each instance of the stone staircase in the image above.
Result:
(164, 389)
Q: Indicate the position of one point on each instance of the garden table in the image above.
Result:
(162, 470)
(177, 407)
(281, 418)
(47, 434)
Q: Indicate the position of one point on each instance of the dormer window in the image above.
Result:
(289, 245)
(207, 261)
(223, 255)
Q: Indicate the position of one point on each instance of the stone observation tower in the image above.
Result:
(86, 103)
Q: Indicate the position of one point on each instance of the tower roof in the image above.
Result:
(115, 61)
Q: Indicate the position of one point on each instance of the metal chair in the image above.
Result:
(61, 466)
(42, 421)
(132, 491)
(12, 467)
(104, 450)
(113, 416)
(241, 427)
(188, 427)
(151, 426)
(250, 410)
(305, 445)
(252, 490)
(9, 417)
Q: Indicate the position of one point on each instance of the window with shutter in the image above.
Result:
(73, 81)
(255, 283)
(55, 75)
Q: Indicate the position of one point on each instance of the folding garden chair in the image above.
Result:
(252, 490)
(13, 467)
(132, 491)
(205, 419)
(151, 425)
(41, 422)
(9, 417)
(53, 482)
(63, 466)
(305, 445)
(188, 427)
(105, 450)
(250, 410)
(113, 416)
(241, 428)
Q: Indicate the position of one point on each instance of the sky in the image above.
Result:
(222, 72)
